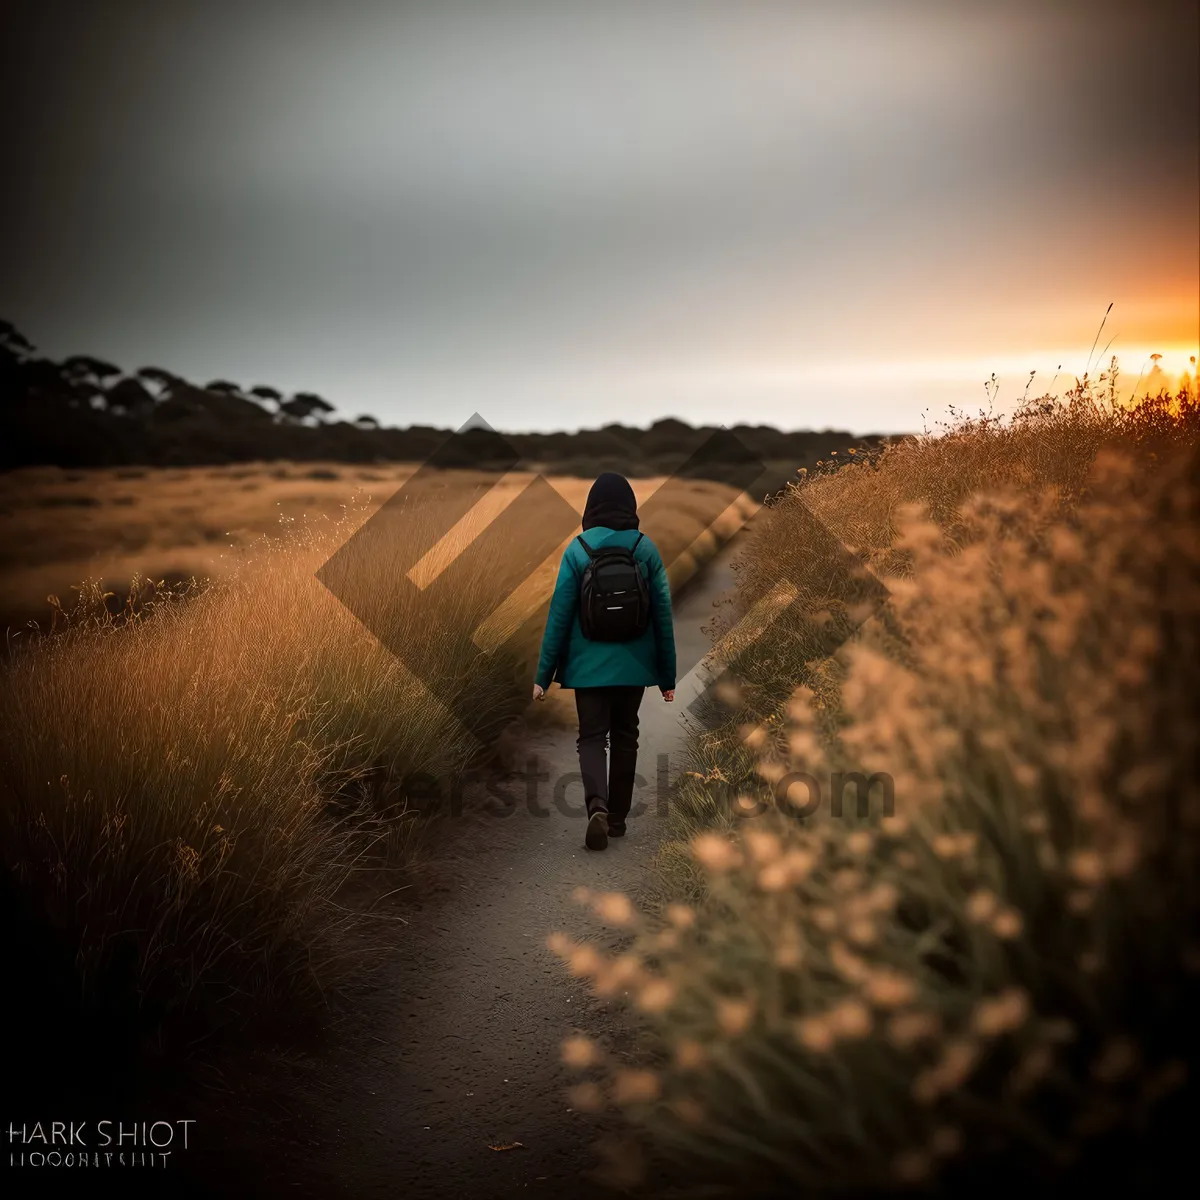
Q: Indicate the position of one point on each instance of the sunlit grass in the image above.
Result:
(190, 785)
(994, 987)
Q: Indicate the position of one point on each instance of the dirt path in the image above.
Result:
(462, 1052)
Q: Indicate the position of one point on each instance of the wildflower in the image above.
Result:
(771, 770)
(625, 970)
(753, 735)
(824, 918)
(958, 1059)
(635, 1086)
(1008, 924)
(614, 907)
(894, 826)
(1087, 866)
(612, 977)
(585, 960)
(799, 864)
(887, 988)
(993, 739)
(763, 846)
(860, 842)
(803, 746)
(849, 965)
(582, 895)
(657, 996)
(714, 852)
(1001, 1013)
(847, 880)
(689, 1055)
(1025, 773)
(850, 1019)
(982, 905)
(788, 954)
(945, 845)
(906, 1029)
(798, 705)
(580, 1052)
(1065, 545)
(734, 1016)
(862, 932)
(681, 916)
(1035, 822)
(774, 877)
(815, 1034)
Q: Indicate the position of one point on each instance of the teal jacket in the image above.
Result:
(576, 662)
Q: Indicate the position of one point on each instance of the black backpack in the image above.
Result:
(614, 599)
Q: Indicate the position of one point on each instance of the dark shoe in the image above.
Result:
(616, 828)
(596, 837)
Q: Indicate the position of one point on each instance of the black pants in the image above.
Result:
(608, 716)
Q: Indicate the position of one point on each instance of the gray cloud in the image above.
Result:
(533, 209)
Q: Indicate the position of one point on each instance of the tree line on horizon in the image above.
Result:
(86, 412)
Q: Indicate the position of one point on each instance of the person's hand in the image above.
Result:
(668, 694)
(539, 692)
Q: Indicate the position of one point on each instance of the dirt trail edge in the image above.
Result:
(464, 1048)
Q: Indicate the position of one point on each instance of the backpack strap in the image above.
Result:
(592, 553)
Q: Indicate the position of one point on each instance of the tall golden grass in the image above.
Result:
(188, 787)
(185, 793)
(995, 986)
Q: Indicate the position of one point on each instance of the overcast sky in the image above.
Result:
(560, 214)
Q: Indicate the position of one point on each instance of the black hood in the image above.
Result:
(611, 503)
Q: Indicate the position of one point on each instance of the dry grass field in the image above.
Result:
(60, 527)
(188, 786)
(992, 987)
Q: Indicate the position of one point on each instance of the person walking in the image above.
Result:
(609, 636)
